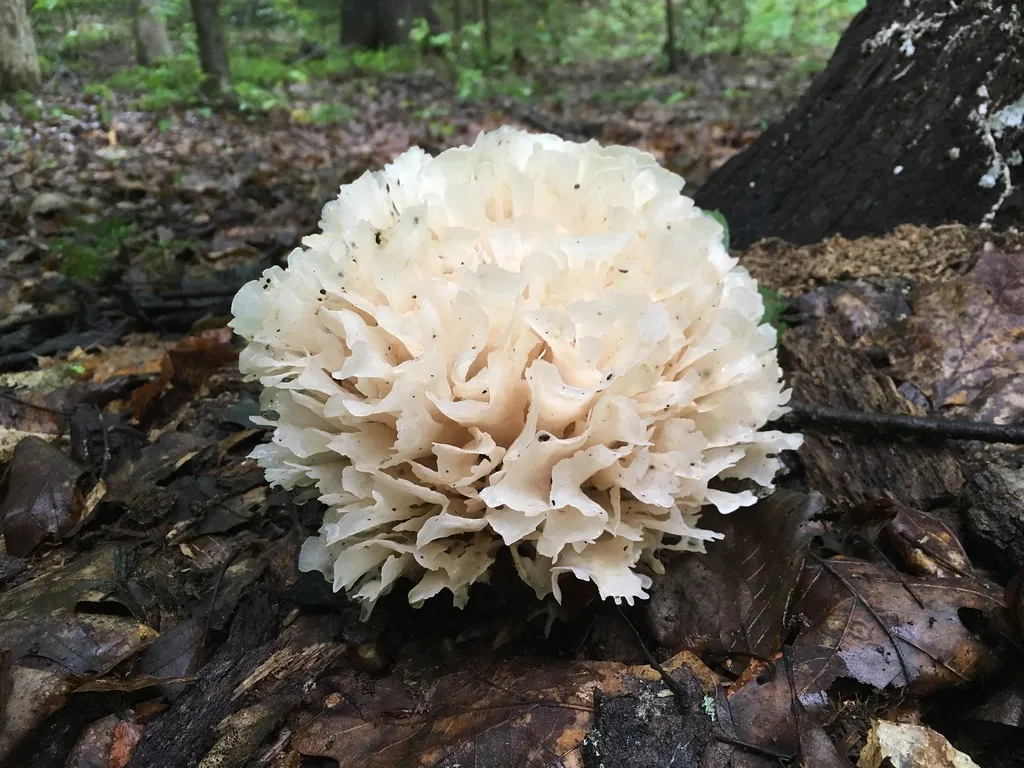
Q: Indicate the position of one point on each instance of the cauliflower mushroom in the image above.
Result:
(525, 343)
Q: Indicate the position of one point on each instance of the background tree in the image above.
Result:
(382, 23)
(670, 38)
(19, 65)
(151, 40)
(485, 17)
(916, 119)
(213, 53)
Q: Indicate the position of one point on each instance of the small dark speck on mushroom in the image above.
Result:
(576, 185)
(377, 236)
(543, 437)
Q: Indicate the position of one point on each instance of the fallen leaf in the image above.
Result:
(734, 597)
(153, 464)
(962, 345)
(10, 438)
(44, 623)
(517, 712)
(46, 618)
(39, 496)
(187, 366)
(176, 653)
(92, 750)
(904, 745)
(863, 623)
(35, 695)
(126, 735)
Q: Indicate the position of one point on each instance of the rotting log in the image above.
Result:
(917, 119)
(852, 469)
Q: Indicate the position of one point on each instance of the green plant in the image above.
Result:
(174, 81)
(30, 107)
(265, 72)
(12, 140)
(328, 114)
(91, 249)
(255, 98)
(774, 306)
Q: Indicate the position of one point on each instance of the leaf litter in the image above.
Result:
(151, 609)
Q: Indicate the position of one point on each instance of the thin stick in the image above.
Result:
(794, 702)
(825, 419)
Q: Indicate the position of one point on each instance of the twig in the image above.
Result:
(678, 692)
(794, 702)
(823, 418)
(213, 599)
(755, 748)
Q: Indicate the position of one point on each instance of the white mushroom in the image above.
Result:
(526, 343)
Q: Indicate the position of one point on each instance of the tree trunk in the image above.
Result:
(151, 40)
(19, 65)
(917, 119)
(457, 27)
(213, 54)
(670, 38)
(485, 14)
(383, 23)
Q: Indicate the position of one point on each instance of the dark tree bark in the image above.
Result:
(382, 23)
(213, 53)
(19, 65)
(917, 119)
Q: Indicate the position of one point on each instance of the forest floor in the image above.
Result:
(152, 614)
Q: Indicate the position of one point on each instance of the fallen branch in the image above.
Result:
(820, 418)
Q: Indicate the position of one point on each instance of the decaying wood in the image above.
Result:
(252, 682)
(994, 522)
(852, 468)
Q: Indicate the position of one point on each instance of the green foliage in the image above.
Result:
(92, 248)
(266, 72)
(29, 105)
(256, 98)
(12, 140)
(174, 81)
(328, 114)
(269, 42)
(774, 306)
